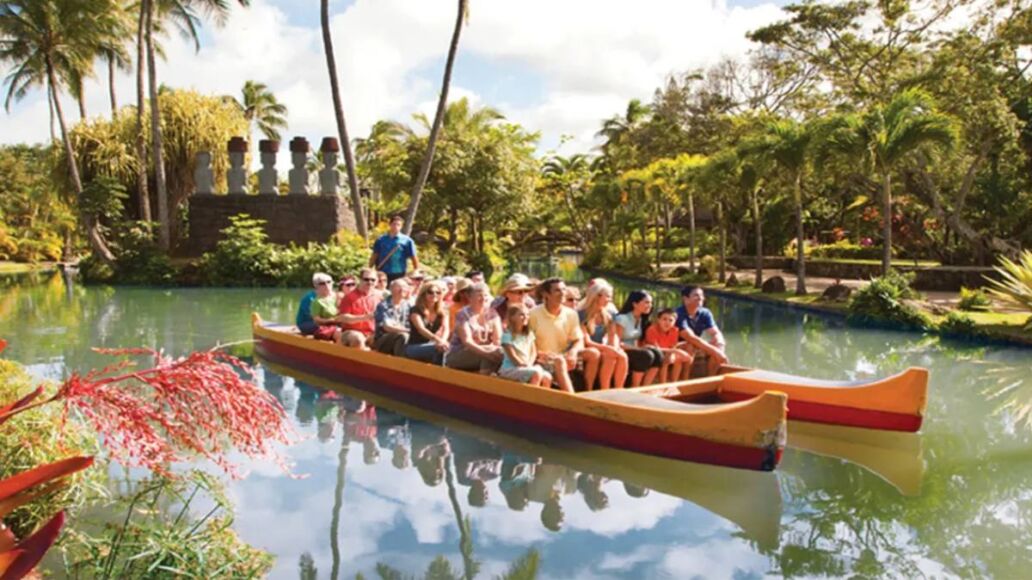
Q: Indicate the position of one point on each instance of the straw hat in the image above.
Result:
(516, 282)
(462, 284)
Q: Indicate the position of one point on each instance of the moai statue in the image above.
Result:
(204, 180)
(236, 178)
(268, 181)
(298, 176)
(329, 177)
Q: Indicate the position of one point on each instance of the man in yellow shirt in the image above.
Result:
(559, 340)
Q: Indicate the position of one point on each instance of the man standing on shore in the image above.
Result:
(393, 250)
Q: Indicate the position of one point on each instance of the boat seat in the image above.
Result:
(638, 399)
(787, 379)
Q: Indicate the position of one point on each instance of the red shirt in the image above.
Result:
(656, 337)
(356, 303)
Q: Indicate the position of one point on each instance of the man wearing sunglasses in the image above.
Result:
(358, 309)
(316, 316)
(393, 250)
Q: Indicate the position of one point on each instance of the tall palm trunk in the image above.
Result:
(886, 261)
(800, 253)
(435, 129)
(722, 265)
(758, 225)
(338, 501)
(164, 229)
(342, 128)
(142, 193)
(80, 99)
(691, 233)
(53, 120)
(92, 228)
(111, 86)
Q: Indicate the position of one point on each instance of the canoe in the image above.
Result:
(748, 434)
(751, 500)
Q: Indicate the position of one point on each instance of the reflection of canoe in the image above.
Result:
(746, 434)
(893, 456)
(750, 500)
(895, 403)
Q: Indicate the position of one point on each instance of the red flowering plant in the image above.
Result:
(201, 406)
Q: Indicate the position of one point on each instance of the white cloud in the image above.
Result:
(587, 59)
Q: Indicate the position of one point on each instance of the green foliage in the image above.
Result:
(33, 214)
(958, 324)
(40, 436)
(974, 299)
(882, 303)
(846, 250)
(709, 267)
(637, 263)
(159, 537)
(1016, 286)
(103, 197)
(138, 259)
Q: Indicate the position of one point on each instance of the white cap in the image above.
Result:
(321, 278)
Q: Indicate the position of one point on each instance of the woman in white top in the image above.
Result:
(595, 318)
(627, 331)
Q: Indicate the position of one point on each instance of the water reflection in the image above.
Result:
(954, 501)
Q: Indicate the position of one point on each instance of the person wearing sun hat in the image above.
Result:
(460, 298)
(515, 292)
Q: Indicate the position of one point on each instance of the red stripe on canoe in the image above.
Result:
(585, 427)
(839, 415)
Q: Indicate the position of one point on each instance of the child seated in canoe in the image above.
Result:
(521, 352)
(664, 335)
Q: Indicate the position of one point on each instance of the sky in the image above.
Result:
(558, 68)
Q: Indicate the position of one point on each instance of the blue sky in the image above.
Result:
(558, 68)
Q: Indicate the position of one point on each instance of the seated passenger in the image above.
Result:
(321, 320)
(357, 309)
(596, 314)
(699, 330)
(449, 291)
(382, 285)
(572, 297)
(627, 330)
(476, 339)
(558, 336)
(429, 326)
(677, 361)
(415, 282)
(475, 276)
(520, 362)
(515, 292)
(392, 320)
(459, 300)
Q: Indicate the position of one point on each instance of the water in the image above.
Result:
(955, 500)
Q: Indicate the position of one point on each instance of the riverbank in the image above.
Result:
(22, 268)
(988, 327)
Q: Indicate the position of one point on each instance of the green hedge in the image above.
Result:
(846, 250)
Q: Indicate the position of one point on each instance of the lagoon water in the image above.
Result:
(393, 487)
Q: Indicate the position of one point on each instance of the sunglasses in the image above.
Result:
(324, 282)
(571, 299)
(434, 292)
(370, 280)
(347, 283)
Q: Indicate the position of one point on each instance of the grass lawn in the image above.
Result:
(895, 262)
(20, 268)
(811, 299)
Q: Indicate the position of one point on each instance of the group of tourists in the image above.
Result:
(534, 332)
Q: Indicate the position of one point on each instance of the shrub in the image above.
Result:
(846, 250)
(1016, 286)
(297, 263)
(638, 263)
(958, 324)
(974, 299)
(243, 257)
(709, 267)
(883, 303)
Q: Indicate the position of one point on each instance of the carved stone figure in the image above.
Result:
(298, 176)
(204, 179)
(268, 180)
(329, 176)
(236, 178)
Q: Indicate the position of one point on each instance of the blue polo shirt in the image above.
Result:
(304, 310)
(396, 263)
(701, 322)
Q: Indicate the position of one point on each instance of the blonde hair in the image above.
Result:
(424, 290)
(590, 303)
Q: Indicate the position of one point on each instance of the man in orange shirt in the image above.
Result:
(357, 310)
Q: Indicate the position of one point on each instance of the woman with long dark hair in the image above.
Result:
(627, 331)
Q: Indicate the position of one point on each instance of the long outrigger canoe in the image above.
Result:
(748, 434)
(735, 419)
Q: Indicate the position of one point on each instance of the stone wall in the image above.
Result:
(942, 278)
(289, 218)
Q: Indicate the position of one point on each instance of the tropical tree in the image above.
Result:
(567, 178)
(342, 128)
(114, 50)
(262, 109)
(616, 132)
(461, 17)
(787, 144)
(185, 13)
(887, 135)
(44, 40)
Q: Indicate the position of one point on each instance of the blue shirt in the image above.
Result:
(304, 310)
(701, 322)
(395, 264)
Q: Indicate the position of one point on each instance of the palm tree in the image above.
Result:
(887, 135)
(43, 40)
(184, 14)
(342, 128)
(787, 143)
(114, 51)
(261, 108)
(569, 175)
(614, 129)
(442, 102)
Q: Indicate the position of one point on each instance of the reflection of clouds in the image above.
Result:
(712, 559)
(624, 513)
